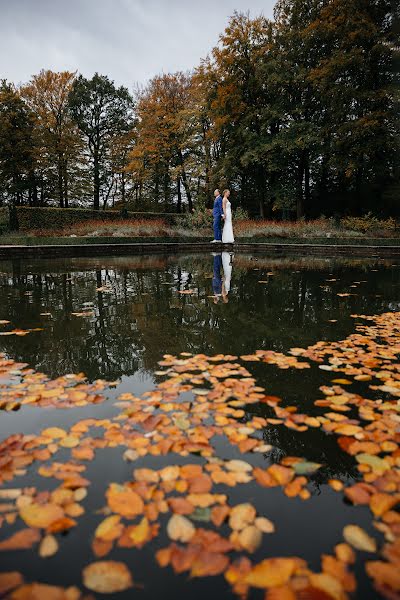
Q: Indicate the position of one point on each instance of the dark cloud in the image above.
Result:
(128, 40)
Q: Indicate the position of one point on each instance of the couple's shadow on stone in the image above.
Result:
(222, 274)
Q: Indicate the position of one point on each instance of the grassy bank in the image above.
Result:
(197, 228)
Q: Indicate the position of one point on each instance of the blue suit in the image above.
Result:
(217, 279)
(217, 214)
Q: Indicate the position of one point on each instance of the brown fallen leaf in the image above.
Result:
(9, 581)
(22, 540)
(209, 563)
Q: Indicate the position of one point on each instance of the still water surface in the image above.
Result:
(237, 305)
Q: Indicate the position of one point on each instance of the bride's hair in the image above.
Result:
(224, 192)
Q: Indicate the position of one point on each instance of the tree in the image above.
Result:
(18, 146)
(101, 111)
(47, 97)
(163, 149)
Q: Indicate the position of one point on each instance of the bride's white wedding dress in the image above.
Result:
(227, 267)
(227, 233)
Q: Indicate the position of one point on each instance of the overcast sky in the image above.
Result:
(128, 40)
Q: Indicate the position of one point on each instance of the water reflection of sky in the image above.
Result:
(138, 317)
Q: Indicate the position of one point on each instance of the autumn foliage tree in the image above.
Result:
(47, 96)
(161, 156)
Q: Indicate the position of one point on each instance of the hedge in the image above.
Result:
(4, 218)
(25, 218)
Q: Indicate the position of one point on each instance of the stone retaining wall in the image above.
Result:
(70, 251)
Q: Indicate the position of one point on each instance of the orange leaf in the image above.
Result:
(41, 515)
(209, 563)
(124, 501)
(9, 581)
(273, 572)
(22, 540)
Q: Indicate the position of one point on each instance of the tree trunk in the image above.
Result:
(60, 183)
(96, 181)
(307, 193)
(166, 189)
(179, 192)
(66, 190)
(123, 189)
(187, 190)
(299, 193)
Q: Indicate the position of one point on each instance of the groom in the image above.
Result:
(218, 214)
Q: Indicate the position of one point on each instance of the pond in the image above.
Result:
(114, 319)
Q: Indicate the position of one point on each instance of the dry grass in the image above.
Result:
(244, 228)
(289, 229)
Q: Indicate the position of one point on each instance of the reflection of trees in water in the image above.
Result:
(141, 318)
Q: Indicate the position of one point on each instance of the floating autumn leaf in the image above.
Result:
(42, 591)
(124, 501)
(264, 525)
(380, 503)
(109, 529)
(107, 577)
(48, 546)
(180, 529)
(385, 574)
(21, 540)
(241, 515)
(306, 467)
(328, 585)
(209, 564)
(358, 538)
(273, 572)
(9, 581)
(41, 515)
(201, 514)
(250, 538)
(374, 462)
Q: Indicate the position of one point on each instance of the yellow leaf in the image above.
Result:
(180, 529)
(358, 538)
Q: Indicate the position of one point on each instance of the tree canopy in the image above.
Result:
(298, 113)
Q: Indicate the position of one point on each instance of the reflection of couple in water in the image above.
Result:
(222, 284)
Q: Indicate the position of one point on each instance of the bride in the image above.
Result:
(227, 233)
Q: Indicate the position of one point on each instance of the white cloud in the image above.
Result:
(128, 40)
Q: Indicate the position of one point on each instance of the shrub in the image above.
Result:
(369, 223)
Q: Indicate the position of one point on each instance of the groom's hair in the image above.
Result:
(217, 192)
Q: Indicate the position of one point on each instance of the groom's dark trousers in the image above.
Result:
(217, 215)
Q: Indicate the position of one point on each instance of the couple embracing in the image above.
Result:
(222, 211)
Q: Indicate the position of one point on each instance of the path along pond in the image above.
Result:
(86, 452)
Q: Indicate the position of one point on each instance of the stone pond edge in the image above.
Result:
(96, 250)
